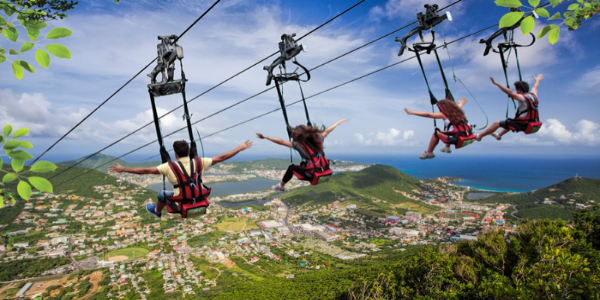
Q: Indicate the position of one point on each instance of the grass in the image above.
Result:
(131, 253)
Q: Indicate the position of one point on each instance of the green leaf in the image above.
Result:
(43, 167)
(553, 35)
(510, 19)
(59, 51)
(580, 1)
(534, 3)
(11, 145)
(509, 3)
(42, 57)
(555, 2)
(9, 177)
(57, 33)
(13, 52)
(21, 155)
(17, 165)
(20, 133)
(555, 16)
(1, 139)
(2, 58)
(17, 70)
(11, 33)
(42, 184)
(7, 130)
(2, 21)
(26, 145)
(573, 6)
(24, 190)
(1, 202)
(542, 12)
(544, 31)
(26, 66)
(33, 34)
(36, 25)
(527, 25)
(12, 200)
(26, 46)
(1, 163)
(9, 9)
(587, 5)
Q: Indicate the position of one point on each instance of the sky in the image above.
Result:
(112, 42)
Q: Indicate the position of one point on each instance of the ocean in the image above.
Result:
(494, 173)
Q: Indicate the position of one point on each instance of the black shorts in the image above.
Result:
(513, 125)
(449, 139)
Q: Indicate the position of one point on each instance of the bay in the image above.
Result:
(229, 188)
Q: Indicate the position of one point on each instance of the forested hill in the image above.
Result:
(102, 159)
(556, 201)
(377, 187)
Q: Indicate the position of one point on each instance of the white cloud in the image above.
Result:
(585, 132)
(391, 137)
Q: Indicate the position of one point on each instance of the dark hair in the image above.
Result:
(308, 135)
(522, 85)
(451, 110)
(181, 148)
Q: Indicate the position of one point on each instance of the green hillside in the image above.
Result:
(101, 159)
(271, 164)
(562, 199)
(375, 189)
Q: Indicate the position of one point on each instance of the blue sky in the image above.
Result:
(111, 42)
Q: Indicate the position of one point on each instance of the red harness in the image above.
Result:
(463, 132)
(193, 195)
(532, 118)
(315, 168)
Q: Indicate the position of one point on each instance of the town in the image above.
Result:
(111, 232)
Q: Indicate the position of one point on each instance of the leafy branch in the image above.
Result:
(18, 158)
(572, 18)
(32, 21)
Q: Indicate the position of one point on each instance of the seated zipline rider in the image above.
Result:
(308, 141)
(457, 131)
(526, 117)
(181, 149)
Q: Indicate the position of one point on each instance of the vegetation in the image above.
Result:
(574, 15)
(27, 268)
(204, 239)
(18, 158)
(563, 196)
(544, 259)
(130, 252)
(101, 162)
(375, 188)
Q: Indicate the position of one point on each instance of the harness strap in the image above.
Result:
(305, 108)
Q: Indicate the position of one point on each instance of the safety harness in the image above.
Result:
(463, 132)
(532, 118)
(428, 21)
(317, 166)
(193, 197)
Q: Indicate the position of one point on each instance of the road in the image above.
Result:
(70, 255)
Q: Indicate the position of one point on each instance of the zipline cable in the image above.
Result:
(119, 89)
(196, 97)
(254, 118)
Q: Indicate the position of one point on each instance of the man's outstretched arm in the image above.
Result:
(536, 85)
(227, 155)
(117, 168)
(508, 91)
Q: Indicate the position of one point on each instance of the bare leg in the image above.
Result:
(434, 141)
(491, 129)
(504, 131)
(159, 207)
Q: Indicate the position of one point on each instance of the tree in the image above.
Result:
(18, 158)
(575, 14)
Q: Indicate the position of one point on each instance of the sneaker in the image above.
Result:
(496, 136)
(446, 150)
(278, 187)
(426, 155)
(477, 138)
(152, 209)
